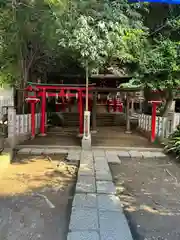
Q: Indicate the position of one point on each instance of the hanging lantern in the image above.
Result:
(67, 95)
(57, 99)
(31, 94)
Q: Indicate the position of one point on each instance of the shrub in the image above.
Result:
(173, 144)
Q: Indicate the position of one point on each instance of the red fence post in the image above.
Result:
(153, 120)
(43, 112)
(33, 102)
(33, 119)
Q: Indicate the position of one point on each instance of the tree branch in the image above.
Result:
(31, 59)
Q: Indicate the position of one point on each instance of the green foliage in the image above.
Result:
(159, 65)
(38, 36)
(27, 42)
(106, 34)
(173, 145)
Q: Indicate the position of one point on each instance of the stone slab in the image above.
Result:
(55, 151)
(86, 143)
(86, 172)
(74, 151)
(37, 151)
(73, 158)
(86, 157)
(85, 200)
(85, 235)
(86, 184)
(100, 159)
(74, 155)
(87, 154)
(159, 154)
(99, 153)
(135, 154)
(105, 187)
(24, 151)
(113, 225)
(89, 165)
(115, 235)
(108, 203)
(84, 219)
(103, 176)
(147, 154)
(123, 154)
(101, 166)
(113, 158)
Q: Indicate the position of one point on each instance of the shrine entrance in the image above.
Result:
(64, 96)
(112, 119)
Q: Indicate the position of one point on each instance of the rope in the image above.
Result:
(46, 84)
(50, 84)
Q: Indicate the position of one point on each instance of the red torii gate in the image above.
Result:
(43, 91)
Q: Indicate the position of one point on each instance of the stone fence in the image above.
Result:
(164, 125)
(19, 126)
(6, 99)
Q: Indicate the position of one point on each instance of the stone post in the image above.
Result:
(94, 112)
(128, 126)
(172, 108)
(132, 106)
(86, 140)
(12, 126)
(140, 106)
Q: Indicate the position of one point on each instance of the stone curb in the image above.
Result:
(18, 147)
(110, 148)
(111, 156)
(42, 151)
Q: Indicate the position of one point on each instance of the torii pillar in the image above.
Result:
(33, 101)
(153, 119)
(43, 113)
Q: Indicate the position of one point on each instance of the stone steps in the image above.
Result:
(102, 119)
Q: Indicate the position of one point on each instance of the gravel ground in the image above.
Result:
(35, 199)
(150, 192)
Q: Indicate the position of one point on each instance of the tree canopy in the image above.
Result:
(39, 36)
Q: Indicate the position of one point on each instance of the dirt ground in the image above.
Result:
(114, 136)
(150, 192)
(35, 198)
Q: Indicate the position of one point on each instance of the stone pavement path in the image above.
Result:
(96, 211)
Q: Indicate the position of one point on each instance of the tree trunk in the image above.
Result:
(169, 101)
(147, 97)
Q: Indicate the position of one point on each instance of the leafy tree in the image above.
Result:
(28, 43)
(104, 35)
(159, 64)
(23, 36)
(45, 35)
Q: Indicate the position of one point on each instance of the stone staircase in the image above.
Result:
(71, 119)
(102, 119)
(110, 119)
